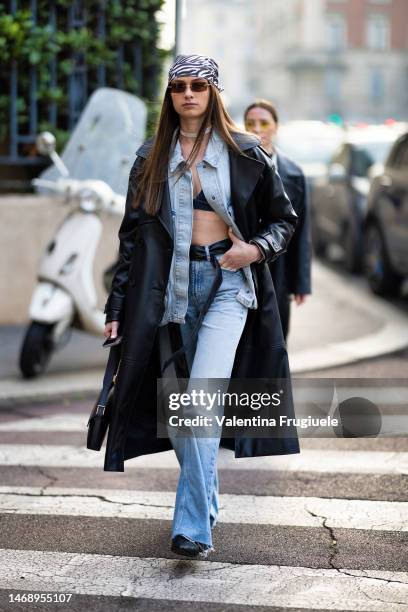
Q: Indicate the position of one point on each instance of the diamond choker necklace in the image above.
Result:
(194, 134)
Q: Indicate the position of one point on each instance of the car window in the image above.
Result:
(367, 154)
(362, 162)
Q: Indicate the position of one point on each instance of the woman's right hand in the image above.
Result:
(111, 329)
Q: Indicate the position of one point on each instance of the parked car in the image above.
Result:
(310, 144)
(386, 223)
(339, 198)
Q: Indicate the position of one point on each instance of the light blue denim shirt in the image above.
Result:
(214, 175)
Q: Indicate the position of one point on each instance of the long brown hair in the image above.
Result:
(153, 172)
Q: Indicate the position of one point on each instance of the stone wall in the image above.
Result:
(28, 222)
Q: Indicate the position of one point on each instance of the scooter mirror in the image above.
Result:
(45, 143)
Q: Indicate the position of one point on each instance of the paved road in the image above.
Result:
(322, 530)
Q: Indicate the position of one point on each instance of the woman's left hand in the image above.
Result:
(241, 254)
(299, 298)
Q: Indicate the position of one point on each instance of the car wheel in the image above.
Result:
(377, 266)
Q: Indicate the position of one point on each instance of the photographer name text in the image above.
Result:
(255, 421)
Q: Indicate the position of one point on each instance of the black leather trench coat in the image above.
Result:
(262, 212)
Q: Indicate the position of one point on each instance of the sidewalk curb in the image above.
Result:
(390, 338)
(83, 385)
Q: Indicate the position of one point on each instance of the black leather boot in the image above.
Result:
(181, 545)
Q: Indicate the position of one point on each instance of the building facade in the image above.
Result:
(314, 58)
(225, 31)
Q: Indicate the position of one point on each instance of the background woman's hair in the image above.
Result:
(151, 177)
(261, 103)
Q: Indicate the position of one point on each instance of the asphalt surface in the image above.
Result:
(79, 351)
(237, 544)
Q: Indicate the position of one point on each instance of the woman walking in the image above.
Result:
(291, 273)
(205, 211)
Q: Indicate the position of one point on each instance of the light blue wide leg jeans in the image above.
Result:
(212, 356)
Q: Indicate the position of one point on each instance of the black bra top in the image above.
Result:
(200, 202)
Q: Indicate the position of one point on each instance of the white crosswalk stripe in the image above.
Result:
(55, 422)
(355, 462)
(217, 582)
(253, 585)
(266, 510)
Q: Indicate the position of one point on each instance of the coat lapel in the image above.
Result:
(164, 213)
(244, 175)
(281, 167)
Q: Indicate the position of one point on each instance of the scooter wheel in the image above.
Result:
(36, 349)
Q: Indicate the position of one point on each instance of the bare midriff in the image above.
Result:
(208, 227)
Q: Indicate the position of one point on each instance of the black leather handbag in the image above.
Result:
(100, 416)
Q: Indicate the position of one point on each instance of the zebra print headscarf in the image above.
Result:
(195, 66)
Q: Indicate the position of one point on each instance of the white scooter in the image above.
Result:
(65, 295)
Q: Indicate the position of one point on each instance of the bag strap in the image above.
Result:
(111, 368)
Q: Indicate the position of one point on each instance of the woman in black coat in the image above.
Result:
(171, 235)
(291, 274)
